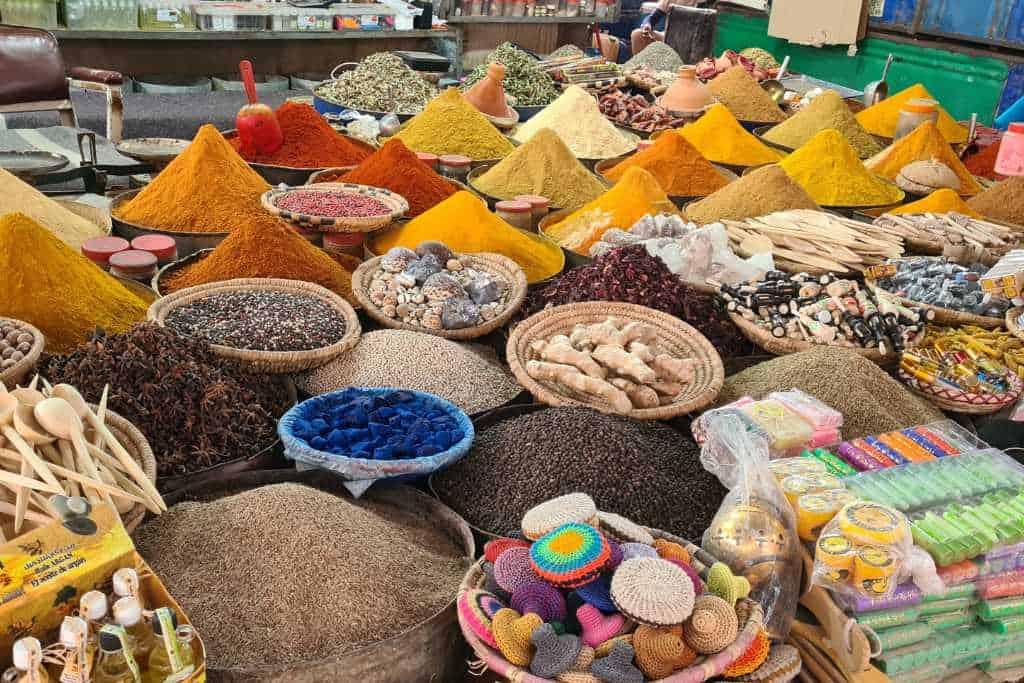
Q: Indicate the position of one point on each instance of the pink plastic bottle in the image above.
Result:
(1011, 151)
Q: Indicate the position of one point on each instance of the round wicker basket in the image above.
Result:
(268, 362)
(1012, 321)
(944, 316)
(396, 204)
(956, 401)
(496, 264)
(674, 336)
(17, 372)
(704, 669)
(781, 347)
(134, 441)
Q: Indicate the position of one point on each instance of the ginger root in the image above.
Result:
(641, 351)
(670, 389)
(562, 352)
(571, 378)
(624, 363)
(671, 369)
(641, 396)
(612, 332)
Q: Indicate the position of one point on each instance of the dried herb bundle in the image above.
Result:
(196, 409)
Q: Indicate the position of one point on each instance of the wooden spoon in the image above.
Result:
(28, 395)
(71, 395)
(29, 428)
(58, 417)
(8, 404)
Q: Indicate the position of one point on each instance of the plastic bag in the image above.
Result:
(754, 530)
(866, 551)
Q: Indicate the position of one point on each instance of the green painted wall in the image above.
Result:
(962, 83)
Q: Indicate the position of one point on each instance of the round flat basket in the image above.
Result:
(331, 175)
(134, 441)
(781, 347)
(396, 204)
(17, 372)
(174, 267)
(268, 362)
(945, 316)
(956, 401)
(704, 669)
(675, 336)
(1013, 321)
(496, 264)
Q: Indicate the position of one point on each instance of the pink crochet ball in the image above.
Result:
(512, 569)
(540, 598)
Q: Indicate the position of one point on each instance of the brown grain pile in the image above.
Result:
(287, 573)
(1002, 202)
(871, 401)
(744, 97)
(764, 191)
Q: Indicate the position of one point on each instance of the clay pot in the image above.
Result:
(687, 94)
(488, 94)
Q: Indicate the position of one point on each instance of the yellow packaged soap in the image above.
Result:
(786, 429)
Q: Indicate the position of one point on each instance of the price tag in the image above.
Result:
(168, 15)
(880, 271)
(306, 22)
(876, 8)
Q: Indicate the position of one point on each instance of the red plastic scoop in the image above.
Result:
(256, 123)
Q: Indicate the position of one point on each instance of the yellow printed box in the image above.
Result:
(44, 572)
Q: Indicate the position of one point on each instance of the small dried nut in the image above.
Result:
(405, 279)
(24, 347)
(377, 298)
(418, 298)
(432, 321)
(7, 363)
(391, 299)
(388, 310)
(487, 313)
(403, 309)
(17, 356)
(8, 352)
(25, 338)
(454, 265)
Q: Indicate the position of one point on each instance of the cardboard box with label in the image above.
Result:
(814, 22)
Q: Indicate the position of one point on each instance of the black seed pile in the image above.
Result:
(646, 471)
(260, 321)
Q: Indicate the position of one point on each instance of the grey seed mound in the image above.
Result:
(657, 56)
(468, 375)
(871, 401)
(645, 471)
(287, 573)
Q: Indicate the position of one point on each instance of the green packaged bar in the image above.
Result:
(990, 610)
(1007, 624)
(948, 620)
(901, 636)
(889, 618)
(963, 590)
(935, 607)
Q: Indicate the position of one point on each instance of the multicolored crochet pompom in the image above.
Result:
(571, 555)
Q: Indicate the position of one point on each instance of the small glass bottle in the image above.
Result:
(915, 112)
(93, 608)
(126, 584)
(517, 214)
(79, 650)
(27, 657)
(454, 166)
(115, 663)
(128, 614)
(168, 656)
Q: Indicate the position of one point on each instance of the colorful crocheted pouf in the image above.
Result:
(783, 665)
(659, 652)
(623, 529)
(540, 598)
(713, 625)
(512, 633)
(616, 555)
(752, 659)
(514, 569)
(549, 515)
(477, 608)
(598, 593)
(652, 591)
(493, 549)
(571, 555)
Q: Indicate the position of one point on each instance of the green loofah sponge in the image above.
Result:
(724, 584)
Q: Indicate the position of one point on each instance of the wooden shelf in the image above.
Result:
(528, 20)
(213, 36)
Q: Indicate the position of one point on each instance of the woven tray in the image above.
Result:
(944, 316)
(956, 401)
(135, 442)
(268, 362)
(341, 170)
(397, 204)
(17, 372)
(705, 669)
(496, 264)
(781, 347)
(1011, 321)
(675, 336)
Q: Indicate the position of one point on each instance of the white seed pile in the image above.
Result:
(468, 375)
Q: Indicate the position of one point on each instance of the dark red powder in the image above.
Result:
(398, 169)
(982, 163)
(631, 275)
(309, 142)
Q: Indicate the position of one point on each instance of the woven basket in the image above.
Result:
(341, 170)
(1011, 321)
(17, 372)
(396, 204)
(781, 347)
(705, 669)
(496, 264)
(134, 441)
(944, 316)
(675, 336)
(268, 362)
(956, 401)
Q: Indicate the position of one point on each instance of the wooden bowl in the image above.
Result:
(17, 372)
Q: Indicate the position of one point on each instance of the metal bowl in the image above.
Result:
(188, 242)
(289, 175)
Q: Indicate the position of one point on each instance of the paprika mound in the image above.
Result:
(48, 284)
(829, 169)
(309, 142)
(881, 118)
(677, 166)
(395, 167)
(264, 247)
(721, 139)
(464, 224)
(207, 188)
(924, 143)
